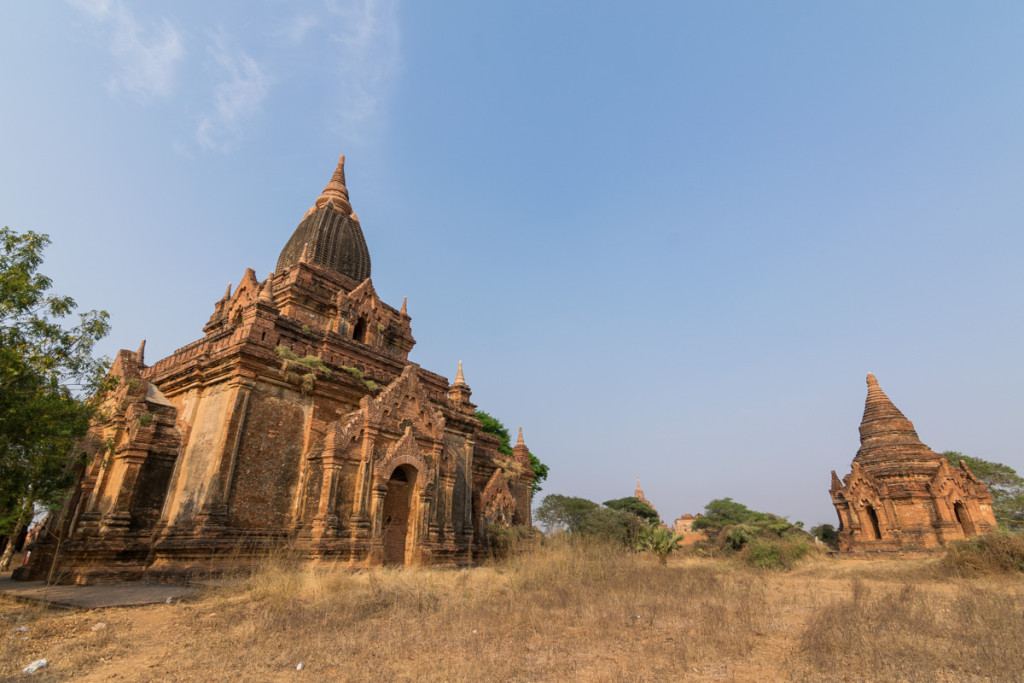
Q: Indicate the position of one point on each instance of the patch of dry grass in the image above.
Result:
(905, 633)
(561, 611)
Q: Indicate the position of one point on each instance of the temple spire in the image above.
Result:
(519, 441)
(227, 293)
(460, 380)
(885, 432)
(336, 193)
(405, 309)
(141, 353)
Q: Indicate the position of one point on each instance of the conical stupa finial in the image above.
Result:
(519, 441)
(405, 308)
(141, 353)
(885, 432)
(304, 257)
(460, 380)
(227, 293)
(336, 194)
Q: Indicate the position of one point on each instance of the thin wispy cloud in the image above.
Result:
(147, 54)
(237, 96)
(368, 58)
(296, 30)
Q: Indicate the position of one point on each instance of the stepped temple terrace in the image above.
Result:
(296, 419)
(901, 495)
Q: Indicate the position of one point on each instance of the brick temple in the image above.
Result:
(297, 419)
(900, 494)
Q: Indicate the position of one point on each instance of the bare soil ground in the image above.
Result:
(560, 612)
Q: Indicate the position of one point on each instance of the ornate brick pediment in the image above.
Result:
(957, 482)
(403, 405)
(230, 307)
(405, 402)
(405, 451)
(860, 484)
(497, 501)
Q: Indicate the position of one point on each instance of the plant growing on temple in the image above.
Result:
(301, 371)
(1003, 482)
(659, 540)
(493, 425)
(46, 368)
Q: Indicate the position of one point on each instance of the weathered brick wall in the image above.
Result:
(267, 465)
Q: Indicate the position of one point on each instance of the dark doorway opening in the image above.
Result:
(874, 522)
(397, 514)
(962, 518)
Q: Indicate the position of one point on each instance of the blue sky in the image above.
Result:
(668, 239)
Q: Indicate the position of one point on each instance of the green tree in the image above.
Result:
(636, 506)
(827, 534)
(619, 526)
(564, 512)
(658, 540)
(735, 525)
(45, 370)
(1003, 482)
(723, 512)
(493, 425)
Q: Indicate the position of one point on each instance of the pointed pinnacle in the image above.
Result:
(304, 258)
(141, 353)
(267, 291)
(519, 441)
(460, 380)
(336, 194)
(227, 293)
(405, 309)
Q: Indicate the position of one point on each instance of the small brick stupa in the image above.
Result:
(900, 494)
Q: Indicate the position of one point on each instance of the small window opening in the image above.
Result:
(359, 332)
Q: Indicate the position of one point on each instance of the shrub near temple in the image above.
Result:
(999, 552)
(760, 539)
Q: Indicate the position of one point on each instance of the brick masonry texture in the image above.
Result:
(241, 442)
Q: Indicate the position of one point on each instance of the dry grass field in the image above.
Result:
(559, 612)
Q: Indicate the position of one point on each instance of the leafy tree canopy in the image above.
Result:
(493, 425)
(1005, 485)
(636, 506)
(725, 512)
(582, 517)
(45, 367)
(566, 512)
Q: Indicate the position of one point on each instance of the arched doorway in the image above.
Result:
(397, 514)
(963, 519)
(873, 517)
